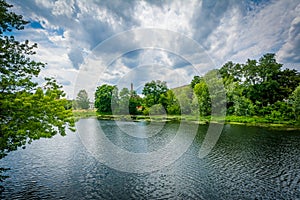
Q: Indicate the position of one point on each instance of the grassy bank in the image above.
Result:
(80, 114)
(243, 120)
(263, 122)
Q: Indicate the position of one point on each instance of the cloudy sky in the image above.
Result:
(88, 43)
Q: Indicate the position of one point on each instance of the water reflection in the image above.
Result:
(137, 159)
(246, 163)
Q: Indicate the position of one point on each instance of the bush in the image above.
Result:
(174, 109)
(157, 109)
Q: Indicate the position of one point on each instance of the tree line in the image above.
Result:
(255, 88)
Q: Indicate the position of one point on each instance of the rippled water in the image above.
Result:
(246, 163)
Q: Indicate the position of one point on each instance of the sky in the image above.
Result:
(89, 43)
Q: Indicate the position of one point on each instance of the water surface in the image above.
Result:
(246, 163)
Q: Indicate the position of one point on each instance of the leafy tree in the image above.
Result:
(69, 104)
(157, 109)
(134, 101)
(243, 106)
(184, 96)
(258, 85)
(123, 105)
(27, 112)
(209, 95)
(217, 93)
(295, 97)
(204, 100)
(153, 90)
(231, 72)
(82, 100)
(288, 81)
(125, 93)
(285, 110)
(261, 79)
(105, 98)
(196, 79)
(232, 75)
(128, 101)
(233, 92)
(170, 103)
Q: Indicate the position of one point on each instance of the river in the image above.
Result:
(245, 163)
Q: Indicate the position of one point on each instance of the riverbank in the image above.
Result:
(79, 114)
(238, 120)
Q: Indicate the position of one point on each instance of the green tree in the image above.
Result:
(210, 97)
(285, 110)
(195, 80)
(128, 101)
(233, 92)
(204, 100)
(184, 95)
(27, 112)
(262, 82)
(217, 92)
(243, 106)
(134, 102)
(69, 104)
(288, 80)
(123, 104)
(170, 103)
(153, 90)
(106, 96)
(157, 109)
(231, 83)
(261, 79)
(231, 72)
(82, 100)
(295, 98)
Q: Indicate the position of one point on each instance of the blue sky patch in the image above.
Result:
(36, 25)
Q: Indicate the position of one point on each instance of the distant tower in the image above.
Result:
(131, 87)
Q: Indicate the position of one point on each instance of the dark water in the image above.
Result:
(246, 163)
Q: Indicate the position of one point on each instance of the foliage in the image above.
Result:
(134, 102)
(204, 100)
(157, 109)
(196, 79)
(170, 103)
(146, 111)
(128, 101)
(260, 88)
(105, 98)
(231, 72)
(69, 104)
(209, 94)
(257, 88)
(295, 99)
(82, 100)
(27, 112)
(153, 91)
(217, 92)
(243, 106)
(266, 82)
(123, 104)
(184, 97)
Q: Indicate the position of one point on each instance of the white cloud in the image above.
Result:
(238, 34)
(63, 7)
(224, 30)
(290, 51)
(172, 15)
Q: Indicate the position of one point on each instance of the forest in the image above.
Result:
(257, 88)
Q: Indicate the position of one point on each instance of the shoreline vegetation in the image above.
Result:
(234, 120)
(255, 93)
